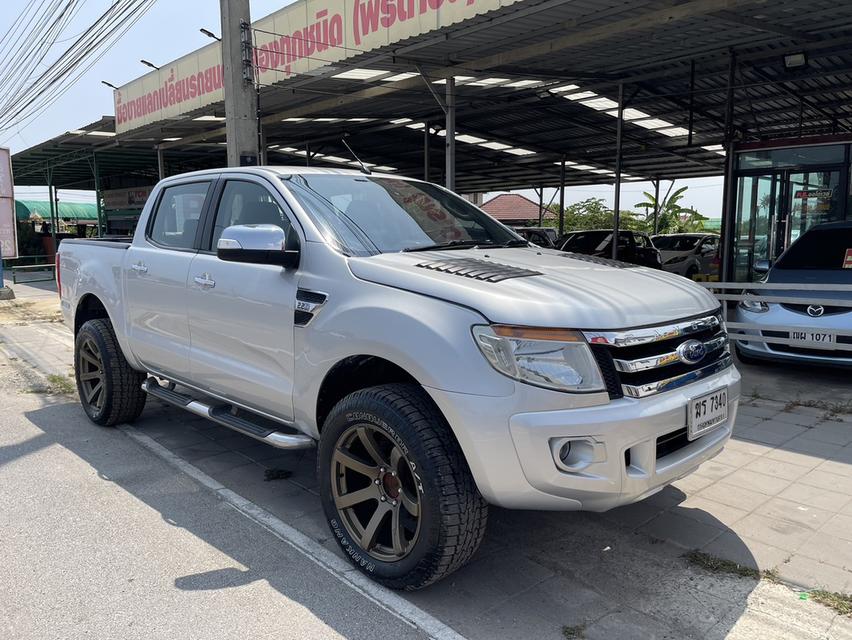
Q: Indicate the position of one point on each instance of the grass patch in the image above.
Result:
(831, 408)
(840, 602)
(719, 565)
(56, 385)
(576, 632)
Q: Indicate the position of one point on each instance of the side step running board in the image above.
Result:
(221, 414)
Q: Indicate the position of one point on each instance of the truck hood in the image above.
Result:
(569, 290)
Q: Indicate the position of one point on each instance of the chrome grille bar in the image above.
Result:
(665, 359)
(669, 384)
(633, 337)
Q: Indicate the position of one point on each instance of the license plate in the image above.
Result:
(706, 412)
(815, 339)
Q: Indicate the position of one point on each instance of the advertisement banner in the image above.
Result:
(8, 229)
(294, 41)
(118, 199)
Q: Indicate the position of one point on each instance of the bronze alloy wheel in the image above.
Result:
(91, 374)
(375, 492)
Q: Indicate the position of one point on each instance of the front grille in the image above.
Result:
(671, 442)
(642, 362)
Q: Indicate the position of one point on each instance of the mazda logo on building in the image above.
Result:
(816, 310)
(691, 352)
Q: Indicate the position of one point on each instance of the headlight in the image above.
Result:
(556, 359)
(751, 303)
(676, 259)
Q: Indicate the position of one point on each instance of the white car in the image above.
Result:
(689, 254)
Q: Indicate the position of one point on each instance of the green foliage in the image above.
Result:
(673, 217)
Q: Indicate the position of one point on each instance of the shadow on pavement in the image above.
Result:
(535, 573)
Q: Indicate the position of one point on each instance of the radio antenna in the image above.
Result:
(364, 167)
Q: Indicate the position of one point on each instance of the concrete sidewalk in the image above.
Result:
(777, 498)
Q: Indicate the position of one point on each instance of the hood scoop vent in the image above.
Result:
(478, 269)
(606, 262)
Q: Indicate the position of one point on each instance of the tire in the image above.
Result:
(98, 360)
(410, 439)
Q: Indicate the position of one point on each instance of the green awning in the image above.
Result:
(40, 209)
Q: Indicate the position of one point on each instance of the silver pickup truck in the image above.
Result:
(438, 361)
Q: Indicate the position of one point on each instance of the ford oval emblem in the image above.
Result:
(691, 352)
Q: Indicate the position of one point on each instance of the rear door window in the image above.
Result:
(178, 211)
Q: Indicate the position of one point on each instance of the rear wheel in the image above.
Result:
(396, 489)
(110, 389)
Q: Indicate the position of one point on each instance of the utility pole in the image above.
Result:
(240, 96)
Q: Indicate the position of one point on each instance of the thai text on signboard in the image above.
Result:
(8, 230)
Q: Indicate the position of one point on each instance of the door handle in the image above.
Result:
(139, 268)
(204, 281)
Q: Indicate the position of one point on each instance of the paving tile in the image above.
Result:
(811, 573)
(747, 446)
(746, 551)
(179, 438)
(833, 466)
(758, 412)
(840, 525)
(628, 625)
(778, 468)
(760, 482)
(693, 483)
(734, 496)
(688, 533)
(826, 480)
(808, 460)
(710, 512)
(806, 515)
(828, 549)
(796, 418)
(816, 497)
(773, 531)
(802, 444)
(715, 470)
(735, 458)
(830, 432)
(774, 435)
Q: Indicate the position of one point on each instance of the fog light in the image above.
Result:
(576, 454)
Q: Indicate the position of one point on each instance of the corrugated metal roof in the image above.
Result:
(40, 210)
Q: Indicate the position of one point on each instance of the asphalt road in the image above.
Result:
(99, 538)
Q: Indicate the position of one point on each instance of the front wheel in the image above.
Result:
(396, 489)
(110, 389)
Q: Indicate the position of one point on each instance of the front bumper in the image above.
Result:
(778, 316)
(507, 443)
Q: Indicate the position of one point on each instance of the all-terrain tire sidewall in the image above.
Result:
(123, 396)
(429, 560)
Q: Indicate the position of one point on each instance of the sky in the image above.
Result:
(171, 29)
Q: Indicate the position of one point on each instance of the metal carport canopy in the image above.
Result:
(538, 81)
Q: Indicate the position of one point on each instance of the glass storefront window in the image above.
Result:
(793, 157)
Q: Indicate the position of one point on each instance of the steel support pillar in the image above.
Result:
(241, 122)
(451, 134)
(657, 205)
(426, 159)
(540, 205)
(54, 212)
(161, 163)
(617, 203)
(97, 177)
(728, 189)
(562, 198)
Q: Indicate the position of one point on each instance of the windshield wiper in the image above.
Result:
(453, 244)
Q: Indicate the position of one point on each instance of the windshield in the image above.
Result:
(820, 249)
(676, 243)
(367, 215)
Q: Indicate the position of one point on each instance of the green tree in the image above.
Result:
(593, 213)
(670, 209)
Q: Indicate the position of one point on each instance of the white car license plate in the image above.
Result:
(815, 339)
(706, 412)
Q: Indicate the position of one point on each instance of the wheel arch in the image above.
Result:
(89, 307)
(352, 374)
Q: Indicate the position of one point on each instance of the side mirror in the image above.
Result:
(259, 244)
(762, 267)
